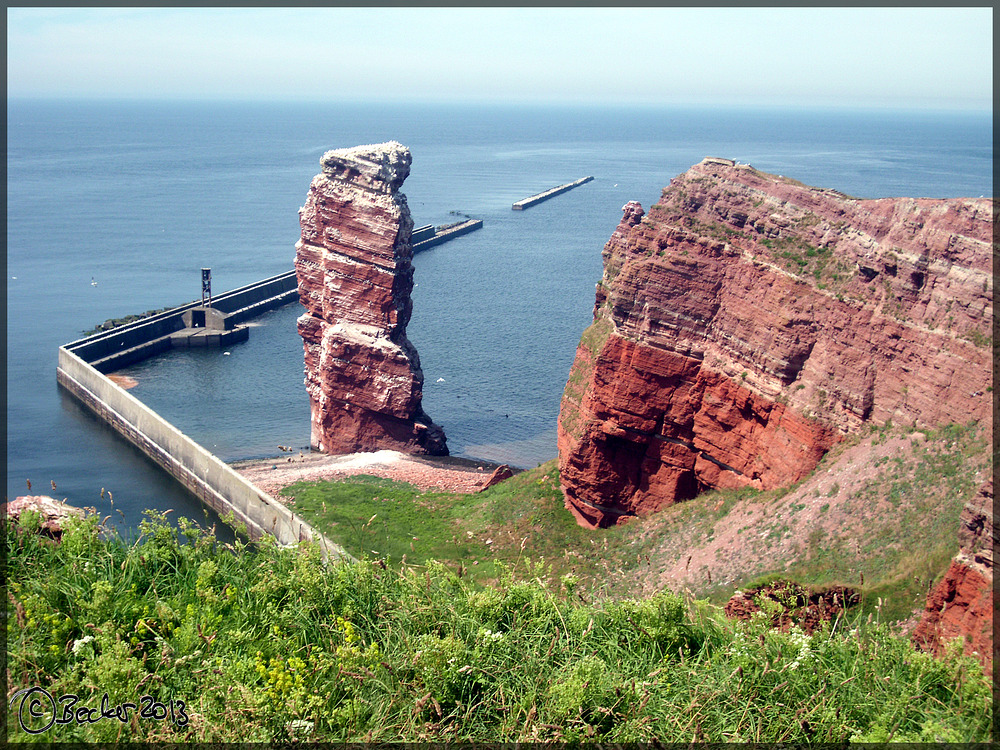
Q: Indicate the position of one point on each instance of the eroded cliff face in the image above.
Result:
(749, 321)
(353, 264)
(962, 604)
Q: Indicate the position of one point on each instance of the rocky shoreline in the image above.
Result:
(440, 473)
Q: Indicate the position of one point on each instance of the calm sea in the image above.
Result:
(139, 196)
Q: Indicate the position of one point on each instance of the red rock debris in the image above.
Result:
(798, 607)
(52, 513)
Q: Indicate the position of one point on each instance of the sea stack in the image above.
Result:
(355, 275)
(749, 321)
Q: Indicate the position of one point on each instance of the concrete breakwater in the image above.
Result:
(111, 350)
(83, 364)
(81, 369)
(211, 480)
(551, 193)
(427, 237)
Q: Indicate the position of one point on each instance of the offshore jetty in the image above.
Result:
(551, 193)
(428, 236)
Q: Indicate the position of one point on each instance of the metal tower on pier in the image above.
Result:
(206, 287)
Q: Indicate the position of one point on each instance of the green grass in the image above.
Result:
(907, 545)
(385, 519)
(593, 339)
(267, 644)
(913, 502)
(523, 516)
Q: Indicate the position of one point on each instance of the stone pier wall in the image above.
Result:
(205, 475)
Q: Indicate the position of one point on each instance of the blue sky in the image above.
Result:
(852, 57)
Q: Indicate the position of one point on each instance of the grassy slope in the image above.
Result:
(518, 519)
(880, 513)
(269, 644)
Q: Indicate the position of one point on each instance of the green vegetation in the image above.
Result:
(714, 229)
(267, 644)
(911, 507)
(593, 339)
(801, 258)
(979, 339)
(472, 534)
(594, 336)
(892, 536)
(107, 325)
(789, 249)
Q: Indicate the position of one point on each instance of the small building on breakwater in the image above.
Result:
(193, 324)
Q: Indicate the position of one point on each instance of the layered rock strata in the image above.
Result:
(961, 606)
(355, 275)
(750, 321)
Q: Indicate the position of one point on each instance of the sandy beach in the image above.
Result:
(445, 473)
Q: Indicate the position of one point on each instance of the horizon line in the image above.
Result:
(901, 107)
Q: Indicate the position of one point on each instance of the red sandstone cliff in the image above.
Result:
(355, 276)
(961, 606)
(750, 321)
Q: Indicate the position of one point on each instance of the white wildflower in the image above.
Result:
(300, 727)
(488, 636)
(81, 643)
(802, 642)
